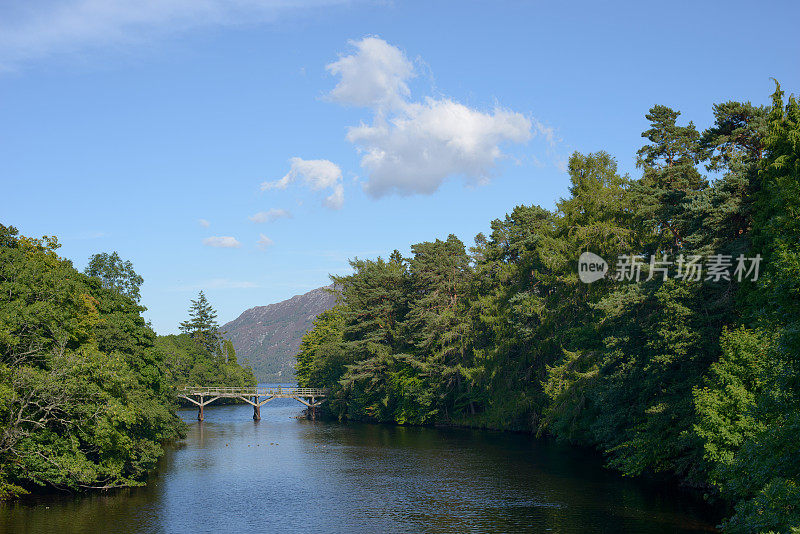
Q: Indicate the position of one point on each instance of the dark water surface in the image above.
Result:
(281, 474)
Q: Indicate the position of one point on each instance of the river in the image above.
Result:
(232, 474)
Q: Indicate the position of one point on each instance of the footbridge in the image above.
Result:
(255, 396)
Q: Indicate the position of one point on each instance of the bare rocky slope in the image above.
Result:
(268, 337)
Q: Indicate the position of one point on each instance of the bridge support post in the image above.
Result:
(200, 414)
(256, 410)
(313, 409)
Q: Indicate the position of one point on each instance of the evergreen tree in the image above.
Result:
(374, 307)
(229, 351)
(597, 217)
(692, 378)
(670, 180)
(764, 475)
(437, 323)
(202, 325)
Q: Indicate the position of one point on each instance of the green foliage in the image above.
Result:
(188, 362)
(322, 358)
(229, 351)
(202, 325)
(86, 388)
(725, 404)
(115, 274)
(763, 476)
(698, 380)
(83, 399)
(200, 355)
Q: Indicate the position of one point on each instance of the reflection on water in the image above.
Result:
(234, 474)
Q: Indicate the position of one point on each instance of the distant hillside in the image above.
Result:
(269, 336)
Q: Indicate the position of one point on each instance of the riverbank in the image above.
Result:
(231, 473)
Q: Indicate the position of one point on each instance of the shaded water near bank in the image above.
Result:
(283, 474)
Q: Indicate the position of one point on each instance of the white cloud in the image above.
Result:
(272, 215)
(264, 241)
(222, 242)
(427, 142)
(413, 146)
(204, 223)
(41, 28)
(316, 174)
(336, 199)
(548, 132)
(375, 76)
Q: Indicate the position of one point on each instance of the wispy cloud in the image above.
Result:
(204, 223)
(272, 215)
(316, 174)
(264, 241)
(38, 29)
(335, 200)
(222, 242)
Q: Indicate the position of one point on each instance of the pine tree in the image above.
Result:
(202, 325)
(374, 307)
(436, 323)
(670, 179)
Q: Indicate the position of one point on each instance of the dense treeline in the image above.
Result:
(86, 388)
(696, 379)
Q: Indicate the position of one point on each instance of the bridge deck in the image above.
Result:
(284, 392)
(202, 396)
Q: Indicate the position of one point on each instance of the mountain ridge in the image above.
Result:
(268, 337)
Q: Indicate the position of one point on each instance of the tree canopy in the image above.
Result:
(115, 274)
(87, 389)
(694, 377)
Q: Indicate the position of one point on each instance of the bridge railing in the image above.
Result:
(252, 391)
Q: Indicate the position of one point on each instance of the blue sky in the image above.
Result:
(249, 148)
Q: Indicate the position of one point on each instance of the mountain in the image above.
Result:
(268, 337)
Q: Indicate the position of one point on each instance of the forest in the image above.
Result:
(87, 389)
(693, 379)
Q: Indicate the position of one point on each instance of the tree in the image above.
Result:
(188, 362)
(670, 180)
(763, 477)
(229, 351)
(597, 217)
(202, 324)
(115, 274)
(437, 323)
(374, 305)
(726, 402)
(84, 403)
(693, 379)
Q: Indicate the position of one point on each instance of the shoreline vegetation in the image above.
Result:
(695, 380)
(86, 387)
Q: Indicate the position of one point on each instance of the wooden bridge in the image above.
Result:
(254, 396)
